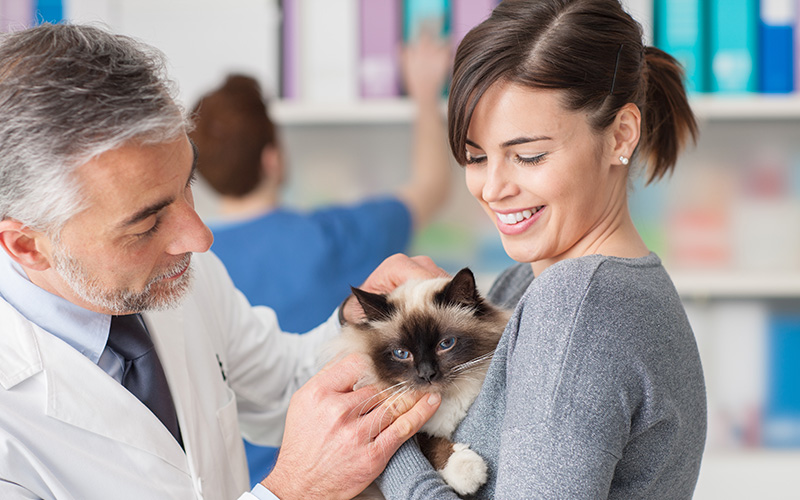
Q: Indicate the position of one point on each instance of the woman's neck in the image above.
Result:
(261, 200)
(616, 238)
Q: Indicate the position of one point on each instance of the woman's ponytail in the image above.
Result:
(668, 120)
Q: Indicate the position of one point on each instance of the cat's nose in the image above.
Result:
(426, 372)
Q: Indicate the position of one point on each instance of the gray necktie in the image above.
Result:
(143, 375)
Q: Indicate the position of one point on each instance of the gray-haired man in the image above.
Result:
(96, 223)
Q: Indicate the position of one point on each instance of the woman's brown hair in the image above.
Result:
(232, 128)
(590, 50)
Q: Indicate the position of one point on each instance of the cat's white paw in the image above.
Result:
(465, 471)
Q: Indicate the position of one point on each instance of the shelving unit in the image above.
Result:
(727, 123)
(706, 107)
(747, 107)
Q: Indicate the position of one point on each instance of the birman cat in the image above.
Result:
(431, 336)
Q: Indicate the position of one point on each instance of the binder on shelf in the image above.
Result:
(734, 45)
(680, 30)
(782, 412)
(379, 65)
(49, 11)
(15, 14)
(466, 14)
(329, 50)
(642, 12)
(290, 53)
(777, 46)
(421, 15)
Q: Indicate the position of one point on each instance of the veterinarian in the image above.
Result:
(302, 263)
(596, 388)
(102, 258)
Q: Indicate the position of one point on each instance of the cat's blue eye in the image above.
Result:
(401, 354)
(447, 343)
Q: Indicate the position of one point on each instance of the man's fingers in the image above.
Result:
(341, 375)
(408, 423)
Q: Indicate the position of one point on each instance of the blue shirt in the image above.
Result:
(303, 264)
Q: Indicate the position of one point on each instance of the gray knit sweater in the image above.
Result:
(595, 391)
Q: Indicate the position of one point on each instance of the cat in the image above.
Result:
(431, 336)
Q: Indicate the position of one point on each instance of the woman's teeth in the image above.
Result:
(516, 217)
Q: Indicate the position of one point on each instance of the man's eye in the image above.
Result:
(150, 232)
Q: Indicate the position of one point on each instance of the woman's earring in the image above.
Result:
(623, 160)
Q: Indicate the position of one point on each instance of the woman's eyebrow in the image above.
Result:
(524, 140)
(513, 142)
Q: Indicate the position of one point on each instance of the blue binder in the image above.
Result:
(777, 49)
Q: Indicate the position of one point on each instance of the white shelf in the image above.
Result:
(375, 111)
(747, 107)
(731, 284)
(401, 110)
(769, 475)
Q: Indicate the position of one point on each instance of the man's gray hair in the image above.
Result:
(69, 93)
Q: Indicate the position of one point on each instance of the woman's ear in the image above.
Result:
(25, 246)
(272, 166)
(626, 130)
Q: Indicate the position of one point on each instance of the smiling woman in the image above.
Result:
(596, 388)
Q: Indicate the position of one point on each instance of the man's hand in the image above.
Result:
(334, 446)
(391, 273)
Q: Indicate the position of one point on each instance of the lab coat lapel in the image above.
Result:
(167, 330)
(81, 394)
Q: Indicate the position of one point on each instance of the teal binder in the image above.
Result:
(734, 45)
(681, 30)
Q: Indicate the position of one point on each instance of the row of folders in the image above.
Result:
(749, 351)
(731, 46)
(340, 50)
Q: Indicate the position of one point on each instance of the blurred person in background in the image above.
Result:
(302, 264)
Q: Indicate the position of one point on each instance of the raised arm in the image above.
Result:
(426, 64)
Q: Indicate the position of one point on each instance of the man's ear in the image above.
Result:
(627, 129)
(27, 247)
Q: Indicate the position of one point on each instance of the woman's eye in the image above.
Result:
(530, 160)
(474, 158)
(447, 343)
(401, 354)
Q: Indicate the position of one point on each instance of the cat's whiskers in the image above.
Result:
(387, 404)
(378, 399)
(480, 360)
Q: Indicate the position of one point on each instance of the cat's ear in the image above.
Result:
(375, 305)
(461, 290)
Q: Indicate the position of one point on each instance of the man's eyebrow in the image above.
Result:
(145, 213)
(195, 153)
(158, 206)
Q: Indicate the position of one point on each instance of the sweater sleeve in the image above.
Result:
(410, 476)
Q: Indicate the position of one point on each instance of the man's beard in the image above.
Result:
(156, 295)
